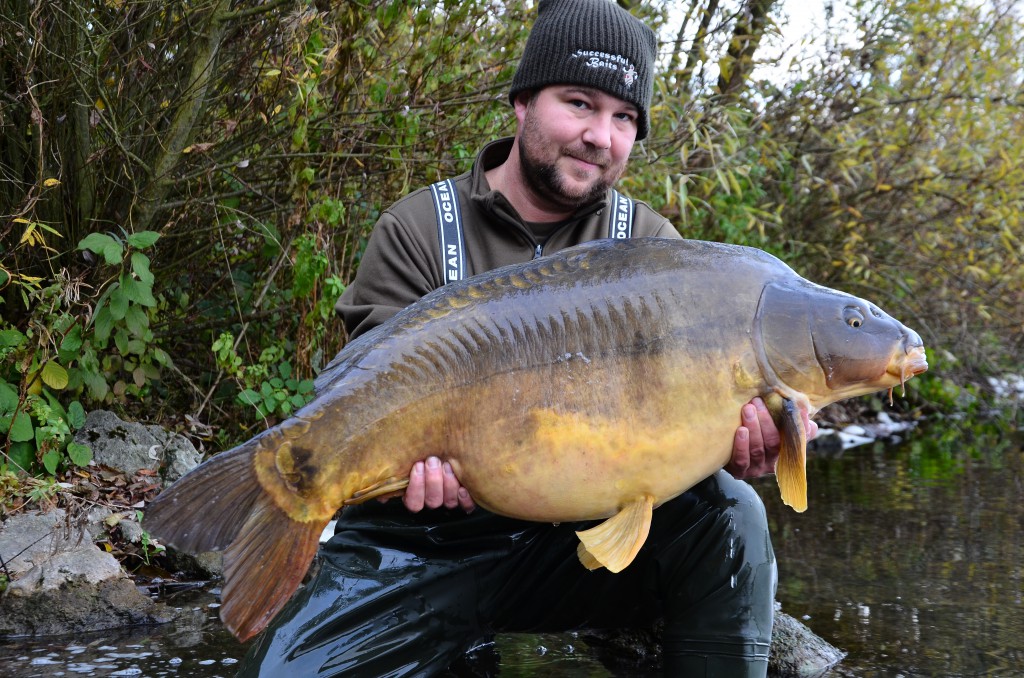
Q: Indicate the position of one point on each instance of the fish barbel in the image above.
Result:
(598, 382)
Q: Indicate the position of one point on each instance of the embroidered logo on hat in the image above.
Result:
(629, 76)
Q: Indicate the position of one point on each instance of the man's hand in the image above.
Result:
(433, 484)
(755, 447)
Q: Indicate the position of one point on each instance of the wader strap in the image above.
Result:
(449, 229)
(449, 225)
(620, 217)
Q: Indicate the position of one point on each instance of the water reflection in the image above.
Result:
(909, 557)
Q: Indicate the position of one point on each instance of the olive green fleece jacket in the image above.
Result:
(402, 261)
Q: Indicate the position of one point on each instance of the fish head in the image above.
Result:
(829, 345)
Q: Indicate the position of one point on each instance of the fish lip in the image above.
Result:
(912, 363)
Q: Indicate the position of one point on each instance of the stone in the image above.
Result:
(77, 606)
(62, 582)
(130, 447)
(797, 652)
(28, 541)
(202, 566)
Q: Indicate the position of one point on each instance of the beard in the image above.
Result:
(545, 179)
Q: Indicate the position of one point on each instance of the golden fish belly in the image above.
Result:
(577, 439)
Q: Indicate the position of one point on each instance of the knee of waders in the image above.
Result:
(718, 578)
(718, 527)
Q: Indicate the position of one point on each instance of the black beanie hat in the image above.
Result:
(594, 43)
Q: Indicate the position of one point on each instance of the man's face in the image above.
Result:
(574, 143)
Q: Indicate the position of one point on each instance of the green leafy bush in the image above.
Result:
(268, 386)
(63, 354)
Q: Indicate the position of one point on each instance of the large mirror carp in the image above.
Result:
(598, 382)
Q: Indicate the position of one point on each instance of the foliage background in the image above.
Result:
(186, 186)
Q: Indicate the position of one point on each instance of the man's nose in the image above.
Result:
(598, 132)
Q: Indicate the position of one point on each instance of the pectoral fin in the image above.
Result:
(791, 470)
(615, 542)
(380, 489)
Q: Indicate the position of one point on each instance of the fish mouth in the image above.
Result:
(913, 363)
(910, 364)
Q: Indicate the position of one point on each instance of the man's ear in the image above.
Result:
(522, 101)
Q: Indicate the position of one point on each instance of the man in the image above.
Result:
(401, 591)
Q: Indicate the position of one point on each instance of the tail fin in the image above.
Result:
(220, 506)
(205, 510)
(264, 566)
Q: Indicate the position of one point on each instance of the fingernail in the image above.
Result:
(433, 463)
(417, 468)
(448, 469)
(749, 412)
(742, 434)
(463, 493)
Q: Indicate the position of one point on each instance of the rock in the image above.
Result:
(79, 607)
(1008, 387)
(61, 582)
(833, 442)
(828, 443)
(130, 530)
(202, 566)
(130, 447)
(37, 547)
(797, 652)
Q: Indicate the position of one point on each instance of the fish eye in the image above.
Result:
(853, 316)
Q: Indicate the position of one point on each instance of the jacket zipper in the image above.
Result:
(538, 249)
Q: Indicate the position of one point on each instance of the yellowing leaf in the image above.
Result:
(55, 376)
(29, 236)
(883, 187)
(51, 182)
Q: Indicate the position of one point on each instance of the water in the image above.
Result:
(195, 644)
(910, 558)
